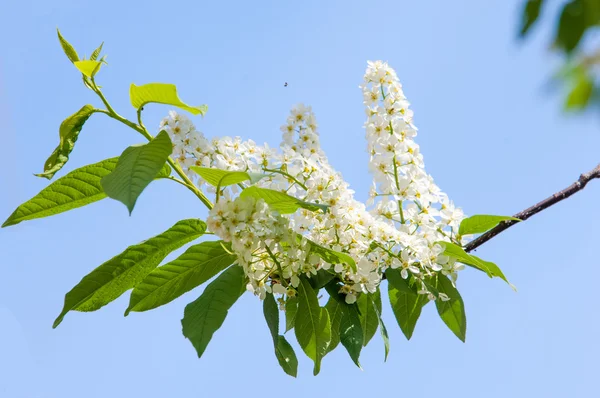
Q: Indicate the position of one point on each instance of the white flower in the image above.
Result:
(408, 215)
(278, 288)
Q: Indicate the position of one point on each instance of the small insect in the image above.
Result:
(285, 84)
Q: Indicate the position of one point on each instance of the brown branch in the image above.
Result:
(544, 204)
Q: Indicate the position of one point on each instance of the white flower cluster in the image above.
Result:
(409, 216)
(255, 233)
(408, 197)
(192, 148)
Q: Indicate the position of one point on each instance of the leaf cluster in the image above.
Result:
(577, 19)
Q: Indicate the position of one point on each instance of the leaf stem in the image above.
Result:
(288, 176)
(533, 210)
(139, 117)
(177, 180)
(398, 187)
(102, 97)
(283, 281)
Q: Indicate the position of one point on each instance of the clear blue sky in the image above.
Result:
(492, 134)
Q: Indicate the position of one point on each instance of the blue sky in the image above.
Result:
(492, 134)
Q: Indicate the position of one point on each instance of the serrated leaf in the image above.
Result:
(491, 269)
(376, 303)
(283, 350)
(96, 52)
(160, 93)
(531, 12)
(224, 178)
(124, 271)
(334, 309)
(281, 202)
(164, 284)
(452, 311)
(136, 168)
(68, 132)
(368, 315)
(351, 333)
(312, 325)
(271, 313)
(481, 223)
(286, 356)
(406, 303)
(76, 189)
(204, 316)
(291, 308)
(331, 256)
(88, 67)
(67, 48)
(350, 324)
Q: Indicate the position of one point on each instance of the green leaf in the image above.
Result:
(76, 189)
(312, 325)
(204, 316)
(368, 315)
(137, 167)
(334, 309)
(458, 252)
(222, 178)
(283, 350)
(331, 256)
(376, 303)
(165, 172)
(281, 202)
(88, 67)
(571, 26)
(160, 93)
(491, 269)
(394, 277)
(580, 94)
(452, 311)
(271, 313)
(351, 333)
(291, 308)
(350, 329)
(96, 52)
(406, 303)
(286, 356)
(124, 271)
(481, 223)
(321, 279)
(531, 12)
(164, 284)
(68, 133)
(67, 48)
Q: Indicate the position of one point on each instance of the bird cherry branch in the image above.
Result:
(531, 211)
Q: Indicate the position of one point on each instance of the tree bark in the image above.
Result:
(531, 211)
